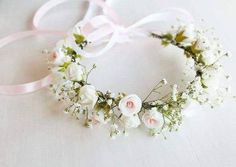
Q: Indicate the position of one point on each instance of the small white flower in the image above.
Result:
(208, 57)
(203, 43)
(112, 95)
(75, 72)
(114, 131)
(59, 56)
(211, 79)
(131, 122)
(109, 102)
(164, 81)
(98, 117)
(159, 102)
(165, 107)
(88, 96)
(153, 119)
(185, 96)
(174, 92)
(130, 105)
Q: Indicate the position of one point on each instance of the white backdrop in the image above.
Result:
(34, 132)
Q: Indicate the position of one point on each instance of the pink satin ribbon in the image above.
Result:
(102, 29)
(31, 86)
(44, 9)
(44, 82)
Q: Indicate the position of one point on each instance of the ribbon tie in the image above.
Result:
(100, 29)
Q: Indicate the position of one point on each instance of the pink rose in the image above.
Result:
(153, 119)
(130, 105)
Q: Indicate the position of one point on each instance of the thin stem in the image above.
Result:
(153, 90)
(90, 72)
(207, 66)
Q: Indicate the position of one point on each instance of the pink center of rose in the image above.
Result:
(54, 55)
(130, 104)
(152, 121)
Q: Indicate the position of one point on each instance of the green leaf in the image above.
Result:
(168, 36)
(180, 37)
(194, 48)
(77, 56)
(62, 69)
(69, 51)
(165, 43)
(203, 85)
(65, 65)
(79, 39)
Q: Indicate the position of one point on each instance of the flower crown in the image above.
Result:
(124, 111)
(70, 78)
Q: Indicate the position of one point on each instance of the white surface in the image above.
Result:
(34, 132)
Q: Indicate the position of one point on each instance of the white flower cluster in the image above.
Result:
(206, 53)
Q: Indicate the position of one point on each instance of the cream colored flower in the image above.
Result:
(131, 122)
(58, 56)
(75, 72)
(153, 119)
(88, 96)
(130, 105)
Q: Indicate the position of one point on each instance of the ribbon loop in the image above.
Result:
(41, 83)
(45, 8)
(101, 29)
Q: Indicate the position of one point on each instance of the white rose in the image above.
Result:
(58, 56)
(88, 96)
(131, 122)
(208, 57)
(130, 105)
(75, 72)
(153, 119)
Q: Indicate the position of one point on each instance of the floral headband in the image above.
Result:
(69, 78)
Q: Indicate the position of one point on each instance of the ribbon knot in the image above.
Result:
(122, 34)
(102, 30)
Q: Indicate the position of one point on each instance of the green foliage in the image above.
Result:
(64, 66)
(79, 39)
(69, 51)
(168, 36)
(166, 39)
(194, 48)
(165, 42)
(180, 37)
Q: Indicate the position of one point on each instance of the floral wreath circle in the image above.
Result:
(124, 111)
